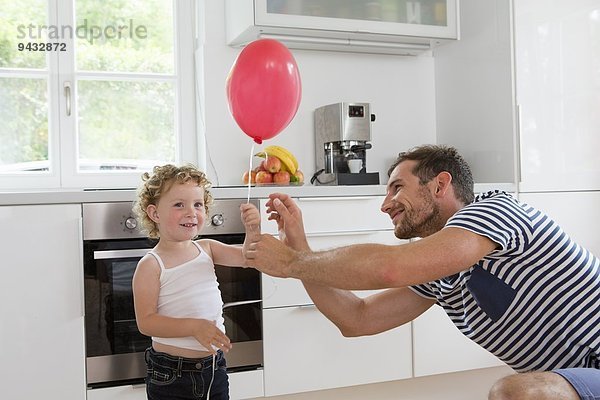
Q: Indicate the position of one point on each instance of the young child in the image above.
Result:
(176, 295)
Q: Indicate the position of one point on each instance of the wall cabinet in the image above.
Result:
(380, 26)
(42, 302)
(557, 86)
(303, 350)
(516, 93)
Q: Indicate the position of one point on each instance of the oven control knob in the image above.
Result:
(130, 223)
(217, 219)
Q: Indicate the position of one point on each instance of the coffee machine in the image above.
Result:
(342, 136)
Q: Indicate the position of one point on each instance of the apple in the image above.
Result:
(272, 164)
(252, 175)
(282, 178)
(299, 176)
(264, 177)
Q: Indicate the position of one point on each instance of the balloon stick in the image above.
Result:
(250, 172)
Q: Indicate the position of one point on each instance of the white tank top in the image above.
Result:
(189, 290)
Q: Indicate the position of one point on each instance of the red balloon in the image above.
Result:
(263, 89)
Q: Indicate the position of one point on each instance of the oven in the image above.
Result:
(113, 244)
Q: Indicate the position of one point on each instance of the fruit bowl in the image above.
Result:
(279, 167)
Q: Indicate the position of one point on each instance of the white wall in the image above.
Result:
(400, 90)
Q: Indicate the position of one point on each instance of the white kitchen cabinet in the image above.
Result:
(303, 350)
(517, 94)
(42, 328)
(246, 385)
(439, 347)
(556, 45)
(380, 26)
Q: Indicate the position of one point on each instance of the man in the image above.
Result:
(507, 275)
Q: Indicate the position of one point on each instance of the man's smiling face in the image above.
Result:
(410, 204)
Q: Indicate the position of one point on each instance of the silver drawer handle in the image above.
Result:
(130, 253)
(347, 233)
(309, 199)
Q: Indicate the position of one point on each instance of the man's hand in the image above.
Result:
(284, 210)
(270, 256)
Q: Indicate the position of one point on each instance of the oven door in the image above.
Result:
(115, 347)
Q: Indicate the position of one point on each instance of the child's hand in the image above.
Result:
(208, 335)
(251, 220)
(250, 217)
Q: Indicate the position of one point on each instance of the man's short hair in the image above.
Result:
(433, 159)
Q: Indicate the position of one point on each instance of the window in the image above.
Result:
(94, 92)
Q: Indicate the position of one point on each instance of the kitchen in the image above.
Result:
(463, 95)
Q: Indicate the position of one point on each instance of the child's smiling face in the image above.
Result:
(180, 213)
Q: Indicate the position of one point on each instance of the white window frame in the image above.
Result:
(62, 151)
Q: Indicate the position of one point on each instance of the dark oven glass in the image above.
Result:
(109, 315)
(111, 329)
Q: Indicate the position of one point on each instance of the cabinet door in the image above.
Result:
(425, 18)
(246, 385)
(439, 347)
(304, 351)
(42, 302)
(557, 46)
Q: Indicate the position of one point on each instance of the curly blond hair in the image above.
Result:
(159, 182)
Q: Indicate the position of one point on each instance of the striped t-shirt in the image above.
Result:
(534, 302)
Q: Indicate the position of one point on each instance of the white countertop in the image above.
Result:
(228, 192)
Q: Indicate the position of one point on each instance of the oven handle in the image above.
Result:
(239, 303)
(129, 253)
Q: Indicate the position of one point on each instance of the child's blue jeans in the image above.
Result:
(171, 377)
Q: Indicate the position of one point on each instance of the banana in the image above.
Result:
(279, 149)
(288, 161)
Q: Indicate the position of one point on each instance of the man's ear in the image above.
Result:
(443, 182)
(152, 212)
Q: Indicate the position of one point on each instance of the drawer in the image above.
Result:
(336, 214)
(304, 351)
(125, 392)
(278, 292)
(343, 214)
